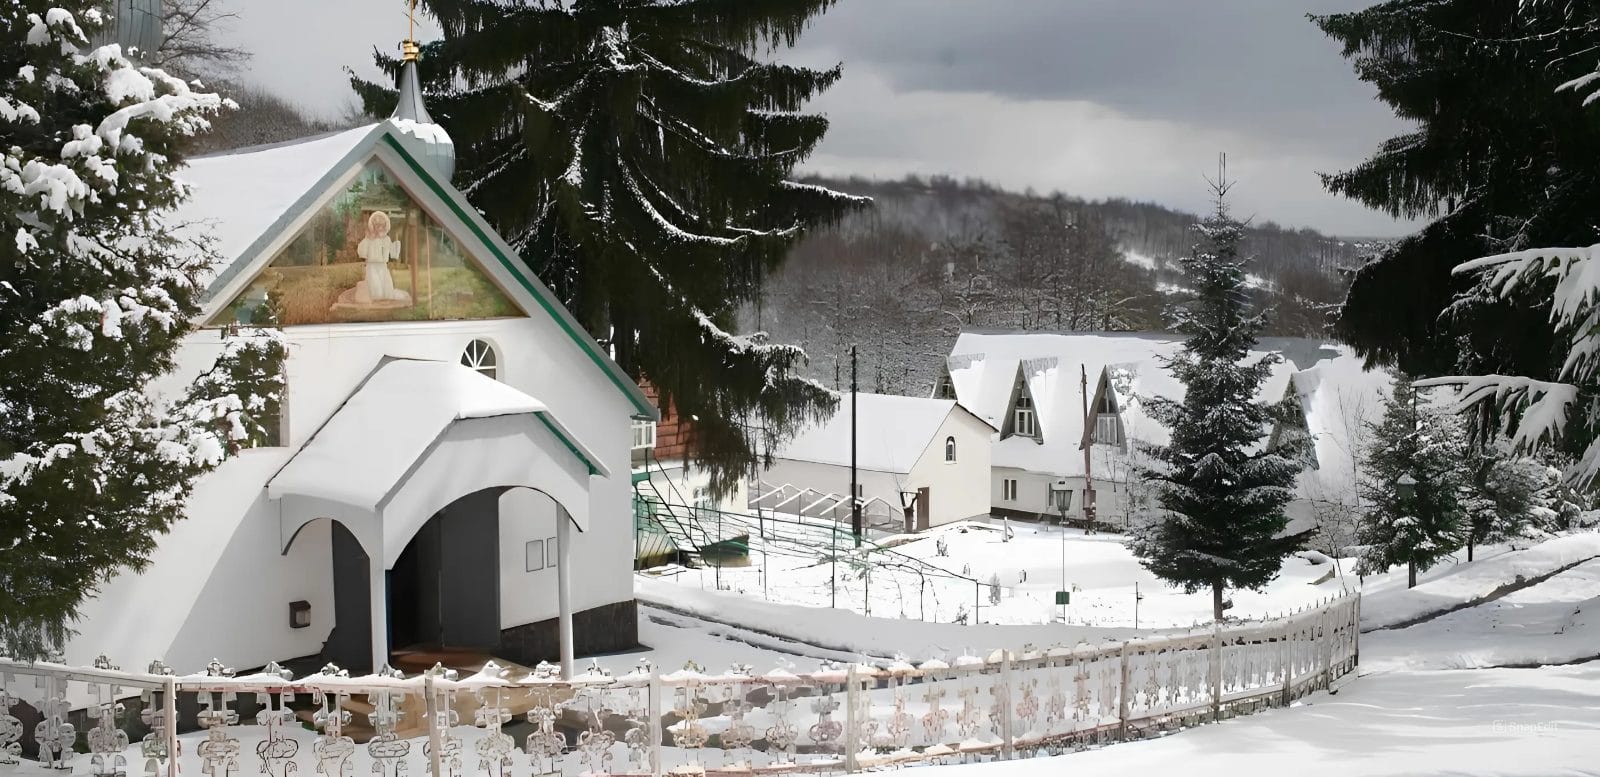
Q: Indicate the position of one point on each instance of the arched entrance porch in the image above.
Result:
(448, 441)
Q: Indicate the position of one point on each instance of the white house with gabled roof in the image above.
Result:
(919, 463)
(1041, 389)
(452, 464)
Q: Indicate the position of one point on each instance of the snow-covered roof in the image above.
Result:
(893, 433)
(244, 202)
(984, 366)
(235, 198)
(362, 452)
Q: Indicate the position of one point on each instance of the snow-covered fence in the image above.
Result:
(840, 718)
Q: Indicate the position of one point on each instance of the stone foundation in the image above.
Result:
(608, 628)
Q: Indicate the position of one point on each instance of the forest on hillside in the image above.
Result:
(935, 256)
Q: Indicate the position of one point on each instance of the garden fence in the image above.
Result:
(839, 718)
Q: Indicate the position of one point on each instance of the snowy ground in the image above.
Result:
(1447, 695)
(1554, 622)
(1485, 722)
(1100, 571)
(1434, 698)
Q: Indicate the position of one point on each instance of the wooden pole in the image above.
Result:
(855, 503)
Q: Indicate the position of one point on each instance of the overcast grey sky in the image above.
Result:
(1097, 98)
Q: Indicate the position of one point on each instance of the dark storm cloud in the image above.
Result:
(1259, 64)
(1098, 98)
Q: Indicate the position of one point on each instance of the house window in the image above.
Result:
(644, 434)
(535, 555)
(1024, 423)
(551, 558)
(1106, 428)
(1008, 490)
(949, 450)
(946, 389)
(480, 356)
(1060, 500)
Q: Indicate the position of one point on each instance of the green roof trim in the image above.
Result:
(555, 310)
(571, 446)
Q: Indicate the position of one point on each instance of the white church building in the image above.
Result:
(452, 464)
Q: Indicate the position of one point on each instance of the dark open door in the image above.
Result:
(444, 590)
(469, 591)
(922, 508)
(350, 643)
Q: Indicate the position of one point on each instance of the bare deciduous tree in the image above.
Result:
(192, 44)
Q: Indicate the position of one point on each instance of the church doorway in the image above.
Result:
(350, 643)
(444, 589)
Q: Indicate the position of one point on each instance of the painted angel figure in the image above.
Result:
(378, 249)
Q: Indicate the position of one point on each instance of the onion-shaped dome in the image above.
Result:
(438, 150)
(136, 25)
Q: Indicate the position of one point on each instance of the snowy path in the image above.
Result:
(1485, 722)
(1554, 622)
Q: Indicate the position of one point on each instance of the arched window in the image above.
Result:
(480, 356)
(949, 450)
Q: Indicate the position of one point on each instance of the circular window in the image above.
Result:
(480, 356)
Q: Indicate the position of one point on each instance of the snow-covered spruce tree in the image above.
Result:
(638, 155)
(96, 289)
(1221, 489)
(1420, 521)
(1507, 496)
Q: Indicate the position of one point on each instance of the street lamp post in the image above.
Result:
(1060, 492)
(1406, 488)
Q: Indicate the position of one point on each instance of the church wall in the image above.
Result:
(529, 597)
(217, 585)
(327, 363)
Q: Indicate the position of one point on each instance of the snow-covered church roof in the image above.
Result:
(348, 463)
(893, 433)
(1332, 382)
(244, 206)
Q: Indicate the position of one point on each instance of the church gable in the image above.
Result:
(370, 254)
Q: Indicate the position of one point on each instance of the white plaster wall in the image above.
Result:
(216, 587)
(832, 479)
(676, 482)
(956, 491)
(327, 363)
(530, 597)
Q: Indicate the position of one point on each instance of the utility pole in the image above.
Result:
(855, 502)
(1089, 427)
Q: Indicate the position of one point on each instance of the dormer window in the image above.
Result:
(1022, 416)
(1023, 421)
(946, 388)
(1107, 417)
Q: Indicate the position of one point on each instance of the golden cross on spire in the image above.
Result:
(409, 47)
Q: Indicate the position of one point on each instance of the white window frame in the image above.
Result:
(950, 450)
(644, 434)
(1008, 490)
(1105, 429)
(482, 357)
(1024, 423)
(533, 556)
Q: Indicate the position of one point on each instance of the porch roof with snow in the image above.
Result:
(892, 436)
(984, 367)
(415, 436)
(246, 205)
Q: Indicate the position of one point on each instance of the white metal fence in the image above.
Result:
(840, 718)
